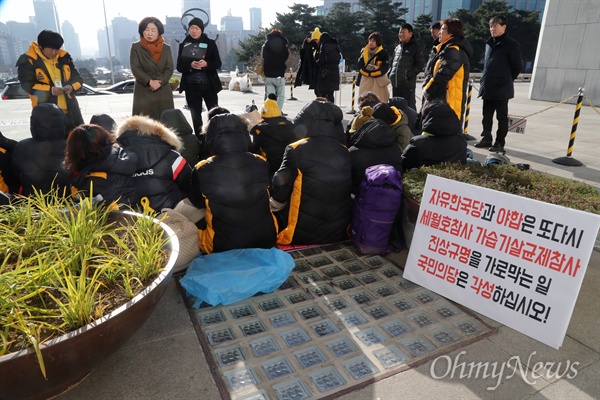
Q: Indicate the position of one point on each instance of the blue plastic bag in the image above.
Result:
(234, 275)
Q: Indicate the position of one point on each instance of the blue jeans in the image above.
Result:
(276, 86)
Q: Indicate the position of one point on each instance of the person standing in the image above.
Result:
(434, 29)
(501, 66)
(152, 66)
(199, 79)
(307, 70)
(328, 71)
(447, 71)
(48, 75)
(275, 52)
(409, 60)
(373, 66)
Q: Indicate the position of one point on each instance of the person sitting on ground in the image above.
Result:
(397, 120)
(176, 121)
(366, 99)
(442, 140)
(100, 167)
(372, 144)
(272, 134)
(311, 189)
(105, 121)
(162, 178)
(334, 124)
(401, 104)
(37, 162)
(233, 188)
(7, 182)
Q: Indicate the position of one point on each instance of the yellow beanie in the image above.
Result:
(366, 113)
(316, 34)
(270, 109)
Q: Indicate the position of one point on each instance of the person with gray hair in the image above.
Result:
(501, 66)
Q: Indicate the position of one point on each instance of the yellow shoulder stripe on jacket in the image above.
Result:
(102, 175)
(203, 162)
(298, 143)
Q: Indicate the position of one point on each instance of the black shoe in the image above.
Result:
(497, 148)
(482, 144)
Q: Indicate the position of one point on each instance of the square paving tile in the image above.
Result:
(339, 321)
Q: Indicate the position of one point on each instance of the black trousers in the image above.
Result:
(500, 107)
(408, 94)
(195, 93)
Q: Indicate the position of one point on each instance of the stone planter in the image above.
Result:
(72, 356)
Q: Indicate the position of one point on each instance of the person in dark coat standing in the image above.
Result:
(501, 66)
(152, 66)
(328, 70)
(232, 186)
(434, 29)
(48, 75)
(275, 53)
(409, 60)
(176, 121)
(311, 189)
(199, 78)
(442, 140)
(162, 178)
(372, 144)
(100, 167)
(272, 134)
(37, 162)
(307, 70)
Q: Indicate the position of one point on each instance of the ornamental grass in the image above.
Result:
(509, 179)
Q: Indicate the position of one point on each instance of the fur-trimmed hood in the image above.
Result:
(145, 126)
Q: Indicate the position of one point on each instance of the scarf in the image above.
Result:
(369, 54)
(154, 48)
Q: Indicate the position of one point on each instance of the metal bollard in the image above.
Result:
(292, 85)
(468, 108)
(568, 160)
(353, 111)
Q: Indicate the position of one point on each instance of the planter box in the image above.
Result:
(72, 356)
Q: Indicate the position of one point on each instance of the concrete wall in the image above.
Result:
(568, 55)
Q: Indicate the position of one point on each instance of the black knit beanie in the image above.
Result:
(198, 22)
(385, 113)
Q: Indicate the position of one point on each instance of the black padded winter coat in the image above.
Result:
(233, 187)
(314, 180)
